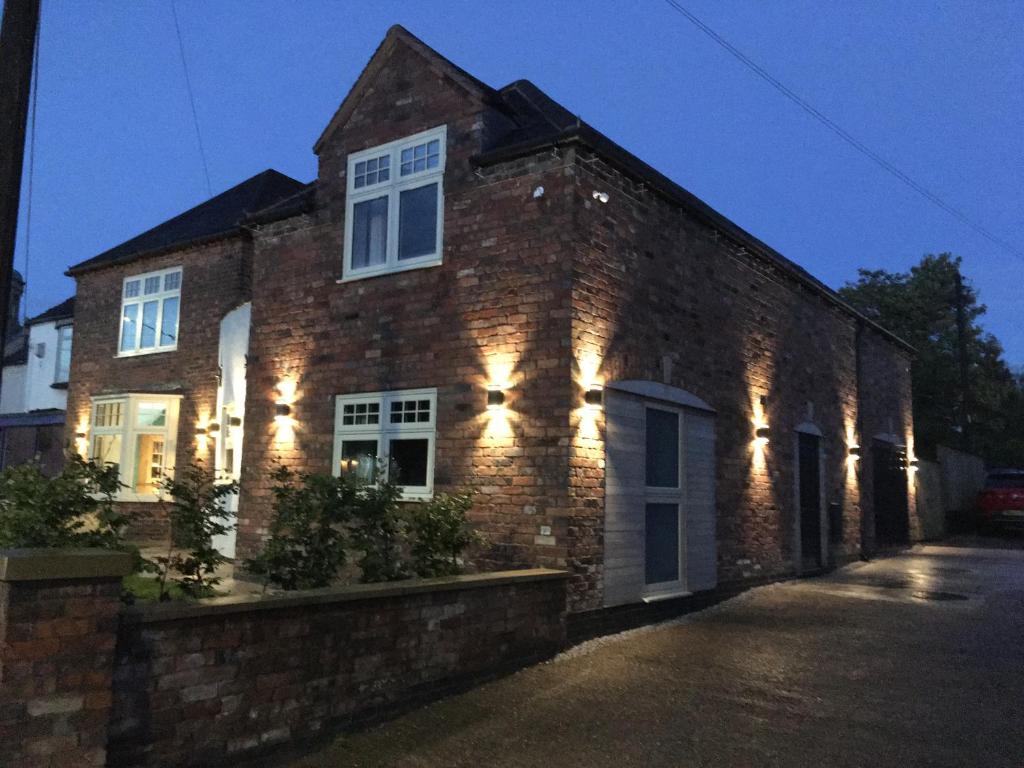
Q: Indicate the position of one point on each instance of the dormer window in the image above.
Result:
(149, 312)
(395, 206)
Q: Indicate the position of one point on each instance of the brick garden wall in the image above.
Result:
(214, 281)
(204, 685)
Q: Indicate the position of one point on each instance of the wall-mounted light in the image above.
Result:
(200, 431)
(601, 197)
(282, 409)
(81, 435)
(762, 435)
(855, 452)
(213, 426)
(234, 421)
(594, 397)
(495, 397)
(914, 464)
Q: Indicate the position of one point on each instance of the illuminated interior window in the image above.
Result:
(138, 434)
(149, 312)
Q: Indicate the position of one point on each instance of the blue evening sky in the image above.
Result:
(934, 87)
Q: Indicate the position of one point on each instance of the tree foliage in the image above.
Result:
(920, 306)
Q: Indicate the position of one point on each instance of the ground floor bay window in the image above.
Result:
(389, 434)
(138, 433)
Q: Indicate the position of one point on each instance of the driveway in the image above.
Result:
(916, 660)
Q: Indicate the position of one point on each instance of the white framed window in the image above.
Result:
(392, 431)
(394, 209)
(138, 433)
(63, 370)
(149, 312)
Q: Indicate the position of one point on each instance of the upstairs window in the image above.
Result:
(395, 206)
(390, 433)
(149, 312)
(63, 370)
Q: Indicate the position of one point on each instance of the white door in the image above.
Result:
(234, 345)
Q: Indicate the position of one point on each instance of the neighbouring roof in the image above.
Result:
(219, 216)
(40, 418)
(62, 311)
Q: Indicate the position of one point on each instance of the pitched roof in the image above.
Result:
(217, 217)
(60, 311)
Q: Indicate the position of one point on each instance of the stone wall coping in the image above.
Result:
(62, 564)
(220, 606)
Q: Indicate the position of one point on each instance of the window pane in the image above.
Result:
(417, 222)
(172, 281)
(152, 285)
(108, 414)
(147, 338)
(131, 288)
(63, 354)
(107, 449)
(369, 232)
(408, 462)
(149, 463)
(661, 562)
(359, 459)
(152, 415)
(662, 449)
(129, 327)
(169, 323)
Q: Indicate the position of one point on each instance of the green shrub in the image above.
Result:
(306, 547)
(74, 509)
(197, 515)
(379, 532)
(440, 535)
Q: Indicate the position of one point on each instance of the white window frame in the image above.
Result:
(129, 432)
(385, 431)
(63, 342)
(160, 297)
(392, 189)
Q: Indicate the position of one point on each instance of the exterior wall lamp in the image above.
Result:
(234, 421)
(81, 435)
(763, 434)
(855, 452)
(282, 409)
(495, 397)
(594, 397)
(213, 426)
(201, 431)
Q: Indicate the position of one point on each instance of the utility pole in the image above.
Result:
(17, 50)
(965, 386)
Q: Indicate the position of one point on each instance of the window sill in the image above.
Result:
(352, 277)
(59, 385)
(145, 353)
(658, 597)
(138, 498)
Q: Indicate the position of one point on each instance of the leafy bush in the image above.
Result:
(440, 534)
(379, 532)
(74, 509)
(306, 548)
(197, 515)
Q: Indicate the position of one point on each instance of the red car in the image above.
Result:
(1001, 503)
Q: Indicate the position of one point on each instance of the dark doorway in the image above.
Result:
(892, 526)
(810, 500)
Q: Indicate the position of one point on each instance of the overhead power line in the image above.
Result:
(865, 150)
(33, 100)
(192, 100)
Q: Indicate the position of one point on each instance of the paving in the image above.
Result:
(915, 660)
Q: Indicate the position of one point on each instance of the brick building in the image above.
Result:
(494, 296)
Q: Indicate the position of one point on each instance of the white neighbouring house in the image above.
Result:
(33, 397)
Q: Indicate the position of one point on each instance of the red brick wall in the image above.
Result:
(660, 295)
(214, 281)
(498, 306)
(206, 684)
(56, 661)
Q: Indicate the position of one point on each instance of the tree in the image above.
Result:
(920, 306)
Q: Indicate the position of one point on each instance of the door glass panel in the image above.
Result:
(662, 449)
(662, 543)
(107, 449)
(149, 463)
